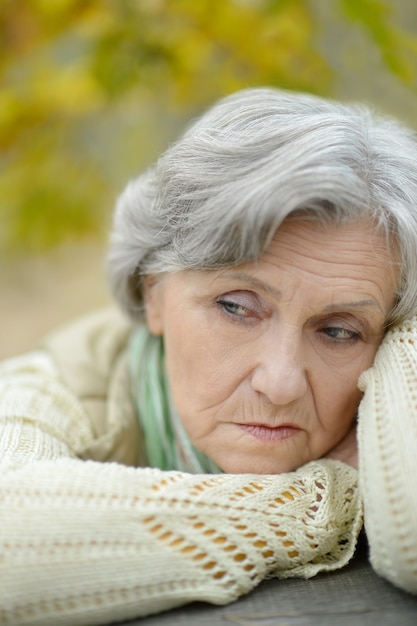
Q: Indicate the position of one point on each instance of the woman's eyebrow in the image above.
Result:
(253, 281)
(356, 304)
(276, 293)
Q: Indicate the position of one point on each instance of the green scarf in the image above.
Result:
(166, 442)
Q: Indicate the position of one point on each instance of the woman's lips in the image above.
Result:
(270, 434)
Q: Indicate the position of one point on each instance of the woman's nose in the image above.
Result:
(280, 371)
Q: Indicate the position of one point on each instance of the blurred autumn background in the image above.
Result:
(92, 90)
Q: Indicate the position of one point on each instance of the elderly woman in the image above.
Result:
(268, 267)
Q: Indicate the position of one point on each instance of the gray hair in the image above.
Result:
(216, 197)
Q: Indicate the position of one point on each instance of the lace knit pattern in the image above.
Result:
(108, 542)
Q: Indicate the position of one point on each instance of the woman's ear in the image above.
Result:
(153, 300)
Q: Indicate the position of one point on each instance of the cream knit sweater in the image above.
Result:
(84, 541)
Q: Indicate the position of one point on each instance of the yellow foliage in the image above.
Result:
(76, 75)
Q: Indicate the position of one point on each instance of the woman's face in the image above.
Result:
(263, 359)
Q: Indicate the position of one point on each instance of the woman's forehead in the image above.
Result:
(333, 243)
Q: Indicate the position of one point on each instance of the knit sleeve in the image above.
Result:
(39, 417)
(387, 439)
(83, 542)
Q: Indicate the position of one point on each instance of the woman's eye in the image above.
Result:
(234, 308)
(340, 334)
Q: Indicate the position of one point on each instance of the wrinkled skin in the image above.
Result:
(264, 358)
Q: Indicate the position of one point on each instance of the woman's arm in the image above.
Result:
(387, 438)
(83, 542)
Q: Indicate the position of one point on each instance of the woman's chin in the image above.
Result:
(259, 465)
(260, 450)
